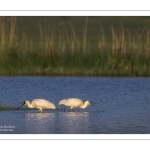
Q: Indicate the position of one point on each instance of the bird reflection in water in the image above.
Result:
(74, 122)
(40, 123)
(61, 123)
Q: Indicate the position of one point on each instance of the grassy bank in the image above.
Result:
(68, 48)
(7, 108)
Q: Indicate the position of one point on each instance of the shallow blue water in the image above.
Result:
(123, 105)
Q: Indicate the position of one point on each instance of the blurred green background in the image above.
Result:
(29, 24)
(75, 45)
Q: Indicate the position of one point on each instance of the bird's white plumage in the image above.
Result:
(40, 104)
(74, 103)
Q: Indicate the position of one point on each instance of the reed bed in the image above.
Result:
(4, 107)
(59, 51)
(7, 108)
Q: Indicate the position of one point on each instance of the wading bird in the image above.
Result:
(39, 104)
(75, 103)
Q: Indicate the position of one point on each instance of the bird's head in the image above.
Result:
(88, 103)
(91, 103)
(21, 105)
(26, 102)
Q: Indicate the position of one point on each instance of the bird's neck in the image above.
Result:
(83, 106)
(30, 105)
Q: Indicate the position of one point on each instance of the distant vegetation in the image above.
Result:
(75, 46)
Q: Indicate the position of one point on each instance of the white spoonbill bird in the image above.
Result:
(39, 104)
(74, 103)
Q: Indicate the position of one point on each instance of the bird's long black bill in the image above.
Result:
(93, 104)
(20, 106)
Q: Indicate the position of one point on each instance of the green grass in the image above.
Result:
(75, 46)
(11, 108)
(7, 108)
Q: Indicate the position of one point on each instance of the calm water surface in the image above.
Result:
(123, 105)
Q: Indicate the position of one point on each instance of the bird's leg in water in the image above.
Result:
(40, 110)
(71, 109)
